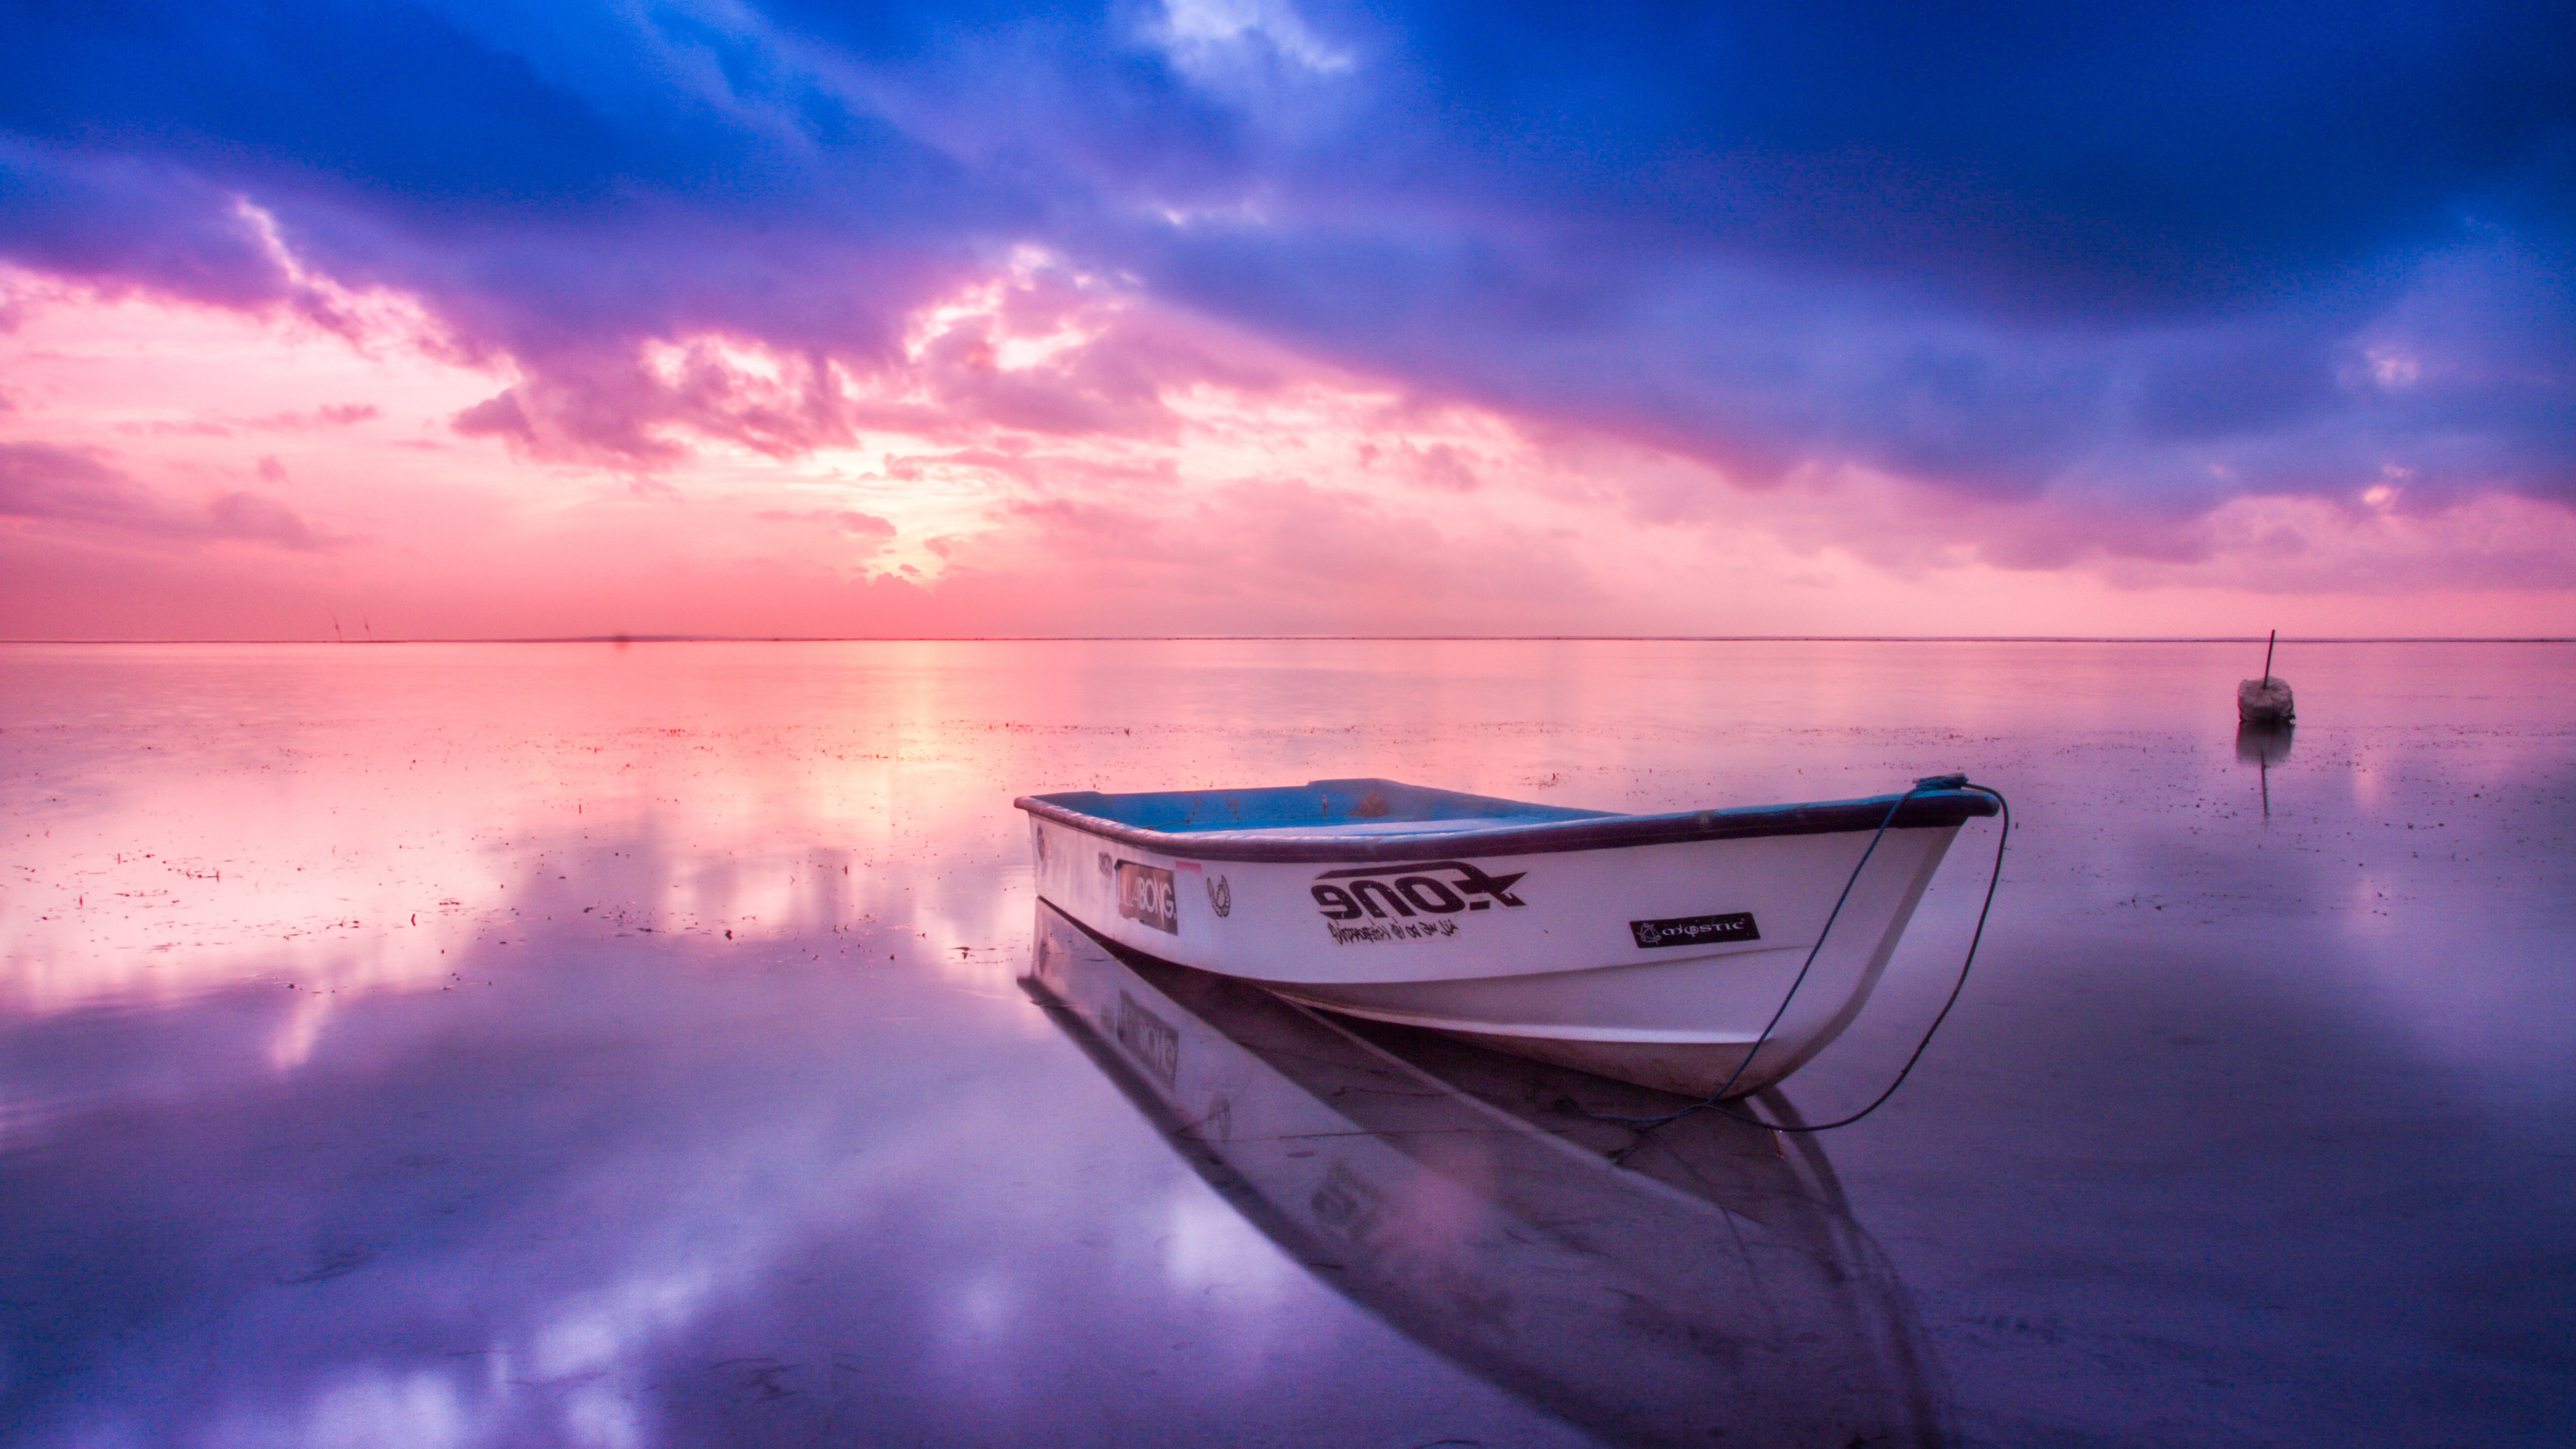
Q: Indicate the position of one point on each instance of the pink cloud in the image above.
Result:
(1050, 456)
(77, 489)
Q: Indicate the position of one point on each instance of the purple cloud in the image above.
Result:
(2134, 259)
(75, 488)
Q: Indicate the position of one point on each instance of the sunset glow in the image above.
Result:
(1012, 367)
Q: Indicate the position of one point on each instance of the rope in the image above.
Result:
(1713, 1102)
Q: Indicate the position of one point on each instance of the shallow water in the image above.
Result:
(568, 1044)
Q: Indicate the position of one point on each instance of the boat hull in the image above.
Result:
(1657, 963)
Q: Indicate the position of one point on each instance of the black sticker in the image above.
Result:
(1145, 894)
(1697, 930)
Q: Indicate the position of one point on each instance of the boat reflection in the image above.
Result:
(1701, 1284)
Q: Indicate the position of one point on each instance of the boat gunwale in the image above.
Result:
(1924, 810)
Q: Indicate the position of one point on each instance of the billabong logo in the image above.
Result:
(1150, 1038)
(1145, 895)
(1220, 897)
(1434, 888)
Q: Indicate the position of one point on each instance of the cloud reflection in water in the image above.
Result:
(836, 1178)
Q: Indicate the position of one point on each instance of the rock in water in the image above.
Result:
(2264, 701)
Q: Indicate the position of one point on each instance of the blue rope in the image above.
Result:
(1712, 1103)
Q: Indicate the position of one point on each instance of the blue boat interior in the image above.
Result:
(1334, 805)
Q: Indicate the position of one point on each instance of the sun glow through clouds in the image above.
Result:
(1048, 452)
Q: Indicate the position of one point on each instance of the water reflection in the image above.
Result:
(556, 1045)
(2264, 745)
(1697, 1285)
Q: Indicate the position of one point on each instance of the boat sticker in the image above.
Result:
(1105, 863)
(1430, 930)
(1148, 1038)
(1436, 888)
(1145, 894)
(1220, 897)
(1697, 930)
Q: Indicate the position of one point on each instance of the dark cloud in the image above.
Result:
(128, 220)
(40, 481)
(2146, 253)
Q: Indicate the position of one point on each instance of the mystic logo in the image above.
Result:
(1696, 930)
(1145, 894)
(1430, 888)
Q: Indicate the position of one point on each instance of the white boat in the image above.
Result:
(1651, 948)
(1699, 1285)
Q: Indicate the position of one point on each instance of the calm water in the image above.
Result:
(535, 1045)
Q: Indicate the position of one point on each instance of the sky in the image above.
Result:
(459, 319)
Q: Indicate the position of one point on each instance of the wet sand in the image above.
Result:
(577, 1045)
